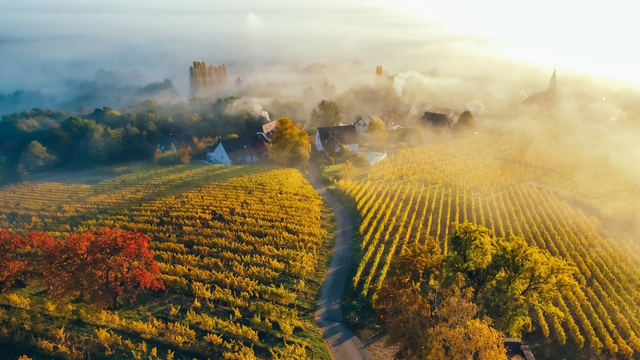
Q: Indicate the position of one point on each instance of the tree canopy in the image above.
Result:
(100, 266)
(327, 113)
(458, 306)
(97, 267)
(377, 131)
(289, 144)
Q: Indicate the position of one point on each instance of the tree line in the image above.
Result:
(42, 139)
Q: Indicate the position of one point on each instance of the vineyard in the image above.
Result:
(512, 187)
(240, 251)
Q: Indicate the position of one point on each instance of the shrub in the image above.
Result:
(168, 158)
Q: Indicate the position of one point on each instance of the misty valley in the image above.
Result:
(411, 192)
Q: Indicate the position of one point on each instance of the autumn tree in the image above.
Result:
(101, 266)
(327, 113)
(510, 278)
(460, 334)
(289, 144)
(429, 321)
(377, 132)
(530, 279)
(66, 265)
(13, 265)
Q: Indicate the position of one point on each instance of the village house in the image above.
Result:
(270, 128)
(434, 121)
(363, 122)
(244, 150)
(331, 137)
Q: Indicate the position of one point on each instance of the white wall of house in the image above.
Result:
(361, 126)
(318, 142)
(352, 147)
(249, 159)
(219, 156)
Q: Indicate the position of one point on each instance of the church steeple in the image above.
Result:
(552, 82)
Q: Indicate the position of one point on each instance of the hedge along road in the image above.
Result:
(343, 343)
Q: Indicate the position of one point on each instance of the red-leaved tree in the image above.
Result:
(100, 266)
(13, 266)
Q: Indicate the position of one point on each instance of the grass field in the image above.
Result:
(242, 250)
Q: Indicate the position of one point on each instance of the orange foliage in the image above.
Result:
(100, 266)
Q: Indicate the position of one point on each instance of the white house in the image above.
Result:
(331, 137)
(219, 156)
(245, 150)
(362, 123)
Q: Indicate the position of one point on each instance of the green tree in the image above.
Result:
(510, 278)
(471, 253)
(529, 278)
(289, 144)
(35, 157)
(327, 113)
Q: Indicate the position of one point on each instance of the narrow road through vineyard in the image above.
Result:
(344, 344)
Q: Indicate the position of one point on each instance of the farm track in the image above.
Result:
(342, 342)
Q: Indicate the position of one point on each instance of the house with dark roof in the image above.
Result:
(175, 142)
(434, 120)
(242, 150)
(331, 137)
(516, 349)
(362, 123)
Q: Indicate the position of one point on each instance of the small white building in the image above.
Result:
(246, 150)
(331, 137)
(362, 123)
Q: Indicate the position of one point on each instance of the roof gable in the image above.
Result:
(345, 134)
(434, 119)
(367, 118)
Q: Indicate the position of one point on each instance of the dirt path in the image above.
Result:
(343, 343)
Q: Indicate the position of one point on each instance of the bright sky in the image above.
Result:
(44, 40)
(597, 37)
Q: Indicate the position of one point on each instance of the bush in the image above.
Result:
(168, 158)
(182, 156)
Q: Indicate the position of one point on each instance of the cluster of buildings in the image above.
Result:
(330, 139)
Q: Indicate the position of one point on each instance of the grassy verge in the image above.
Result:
(357, 310)
(309, 302)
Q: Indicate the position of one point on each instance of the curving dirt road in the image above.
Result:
(344, 344)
